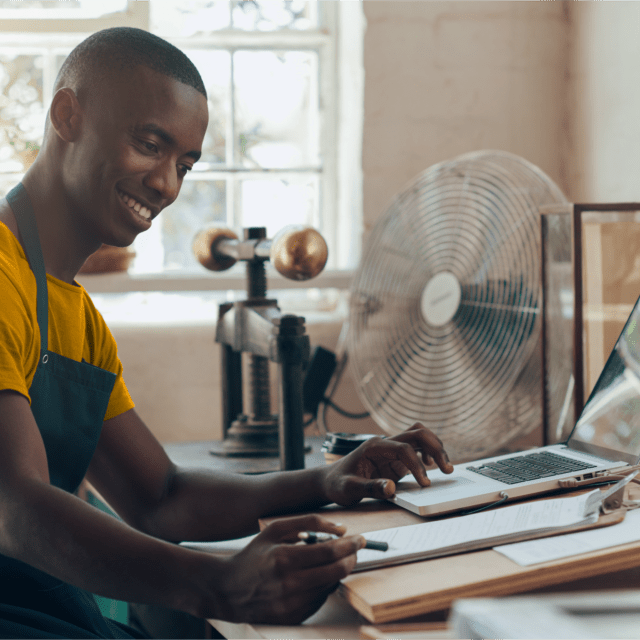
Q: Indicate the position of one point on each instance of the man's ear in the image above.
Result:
(65, 114)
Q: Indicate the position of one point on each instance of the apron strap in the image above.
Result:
(18, 199)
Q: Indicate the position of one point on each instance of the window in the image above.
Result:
(277, 81)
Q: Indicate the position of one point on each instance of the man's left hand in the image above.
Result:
(372, 470)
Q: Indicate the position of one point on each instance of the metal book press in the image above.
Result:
(257, 327)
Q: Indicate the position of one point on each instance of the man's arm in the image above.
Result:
(133, 473)
(56, 532)
(60, 534)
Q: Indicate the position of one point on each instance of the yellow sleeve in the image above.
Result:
(103, 353)
(19, 341)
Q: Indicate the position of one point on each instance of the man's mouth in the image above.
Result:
(132, 203)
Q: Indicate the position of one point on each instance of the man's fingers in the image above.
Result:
(326, 575)
(293, 559)
(287, 529)
(428, 443)
(379, 488)
(394, 450)
(288, 582)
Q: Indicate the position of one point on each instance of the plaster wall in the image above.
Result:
(606, 102)
(445, 78)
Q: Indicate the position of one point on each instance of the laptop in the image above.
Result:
(604, 439)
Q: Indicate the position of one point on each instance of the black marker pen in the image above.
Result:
(311, 537)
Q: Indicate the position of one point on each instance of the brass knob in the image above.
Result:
(204, 248)
(299, 253)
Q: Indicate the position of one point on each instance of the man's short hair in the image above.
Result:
(123, 48)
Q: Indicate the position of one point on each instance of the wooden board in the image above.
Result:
(413, 589)
(403, 591)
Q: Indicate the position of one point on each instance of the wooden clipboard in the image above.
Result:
(402, 591)
(408, 590)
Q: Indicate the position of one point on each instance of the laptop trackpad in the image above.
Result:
(437, 484)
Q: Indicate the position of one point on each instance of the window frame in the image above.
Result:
(88, 10)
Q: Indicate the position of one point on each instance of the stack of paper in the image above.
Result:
(479, 530)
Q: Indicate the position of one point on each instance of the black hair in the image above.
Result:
(122, 48)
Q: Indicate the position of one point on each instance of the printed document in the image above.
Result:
(478, 530)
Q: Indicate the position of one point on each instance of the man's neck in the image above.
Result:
(64, 249)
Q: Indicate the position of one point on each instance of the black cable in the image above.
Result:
(504, 496)
(344, 412)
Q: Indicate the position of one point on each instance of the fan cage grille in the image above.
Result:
(473, 380)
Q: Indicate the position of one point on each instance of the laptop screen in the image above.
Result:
(609, 424)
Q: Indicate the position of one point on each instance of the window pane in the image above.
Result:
(167, 245)
(271, 15)
(277, 111)
(173, 19)
(7, 182)
(57, 64)
(33, 4)
(274, 203)
(22, 111)
(215, 69)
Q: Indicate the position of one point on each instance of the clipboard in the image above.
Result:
(402, 591)
(407, 590)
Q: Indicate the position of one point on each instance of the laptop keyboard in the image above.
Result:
(529, 467)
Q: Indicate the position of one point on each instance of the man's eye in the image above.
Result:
(150, 146)
(184, 169)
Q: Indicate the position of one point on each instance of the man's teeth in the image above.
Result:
(136, 206)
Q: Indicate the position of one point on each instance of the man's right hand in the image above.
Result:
(275, 581)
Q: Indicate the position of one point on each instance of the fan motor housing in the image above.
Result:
(440, 299)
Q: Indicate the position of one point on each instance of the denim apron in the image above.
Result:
(69, 401)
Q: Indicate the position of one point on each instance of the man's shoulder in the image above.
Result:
(90, 308)
(96, 324)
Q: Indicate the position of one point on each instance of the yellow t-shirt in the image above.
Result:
(76, 328)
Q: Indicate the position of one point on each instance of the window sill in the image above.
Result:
(127, 283)
(132, 301)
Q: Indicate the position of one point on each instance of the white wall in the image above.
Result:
(445, 78)
(606, 102)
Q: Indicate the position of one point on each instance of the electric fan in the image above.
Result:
(444, 320)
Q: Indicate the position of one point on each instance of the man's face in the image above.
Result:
(140, 135)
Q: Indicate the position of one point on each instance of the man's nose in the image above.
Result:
(163, 179)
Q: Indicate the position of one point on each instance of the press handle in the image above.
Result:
(297, 252)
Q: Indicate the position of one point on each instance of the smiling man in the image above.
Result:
(125, 125)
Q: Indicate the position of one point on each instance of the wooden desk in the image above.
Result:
(198, 454)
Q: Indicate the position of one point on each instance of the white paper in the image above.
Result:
(429, 539)
(520, 617)
(571, 544)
